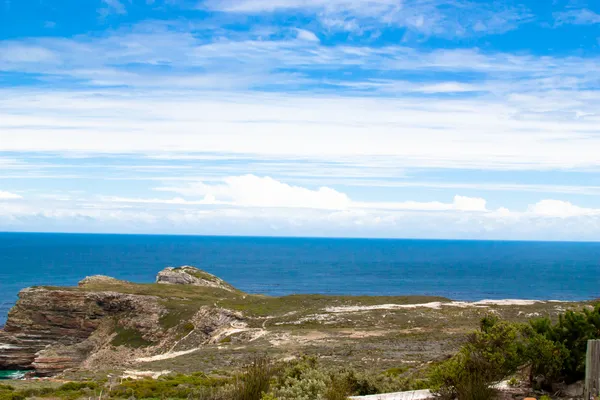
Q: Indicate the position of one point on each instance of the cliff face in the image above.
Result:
(46, 324)
(53, 329)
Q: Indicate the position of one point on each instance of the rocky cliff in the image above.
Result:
(187, 275)
(53, 329)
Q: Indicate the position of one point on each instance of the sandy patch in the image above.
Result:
(436, 305)
(134, 374)
(413, 395)
(354, 334)
(166, 356)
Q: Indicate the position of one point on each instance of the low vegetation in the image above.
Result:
(552, 352)
(302, 379)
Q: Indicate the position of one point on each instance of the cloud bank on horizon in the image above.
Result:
(377, 118)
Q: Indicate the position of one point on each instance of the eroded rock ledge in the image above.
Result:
(187, 275)
(53, 329)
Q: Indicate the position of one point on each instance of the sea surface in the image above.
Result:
(460, 270)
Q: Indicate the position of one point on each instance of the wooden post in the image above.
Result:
(592, 371)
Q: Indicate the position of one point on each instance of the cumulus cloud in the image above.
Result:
(463, 203)
(255, 191)
(9, 196)
(561, 209)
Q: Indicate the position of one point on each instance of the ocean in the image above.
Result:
(460, 270)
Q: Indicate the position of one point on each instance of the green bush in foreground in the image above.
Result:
(489, 355)
(551, 351)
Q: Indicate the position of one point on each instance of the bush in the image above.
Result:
(338, 389)
(11, 395)
(169, 386)
(255, 381)
(569, 337)
(463, 377)
(553, 351)
(76, 386)
(494, 352)
(300, 380)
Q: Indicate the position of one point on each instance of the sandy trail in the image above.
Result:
(436, 305)
(166, 356)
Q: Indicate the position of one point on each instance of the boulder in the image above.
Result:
(99, 280)
(187, 275)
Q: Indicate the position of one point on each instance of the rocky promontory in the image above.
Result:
(189, 320)
(52, 329)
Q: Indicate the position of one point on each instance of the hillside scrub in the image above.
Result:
(552, 352)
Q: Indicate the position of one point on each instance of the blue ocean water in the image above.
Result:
(461, 270)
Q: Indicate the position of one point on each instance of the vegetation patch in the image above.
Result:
(129, 337)
(552, 351)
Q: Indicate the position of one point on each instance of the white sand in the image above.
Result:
(412, 395)
(436, 305)
(134, 374)
(166, 356)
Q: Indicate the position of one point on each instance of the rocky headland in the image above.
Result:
(189, 320)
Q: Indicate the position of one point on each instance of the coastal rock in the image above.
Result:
(99, 280)
(45, 325)
(187, 275)
(107, 322)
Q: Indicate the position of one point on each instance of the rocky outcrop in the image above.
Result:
(47, 328)
(100, 280)
(105, 321)
(187, 275)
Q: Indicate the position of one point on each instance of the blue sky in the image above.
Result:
(369, 118)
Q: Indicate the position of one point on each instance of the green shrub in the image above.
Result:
(76, 386)
(11, 395)
(339, 388)
(300, 380)
(465, 376)
(169, 386)
(396, 371)
(130, 338)
(553, 351)
(497, 350)
(569, 336)
(255, 381)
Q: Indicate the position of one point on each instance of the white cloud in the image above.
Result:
(112, 7)
(9, 196)
(254, 191)
(463, 203)
(581, 16)
(307, 35)
(460, 203)
(561, 209)
(18, 53)
(266, 192)
(177, 201)
(448, 87)
(463, 133)
(232, 206)
(353, 222)
(456, 18)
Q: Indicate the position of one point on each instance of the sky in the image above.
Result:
(460, 119)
